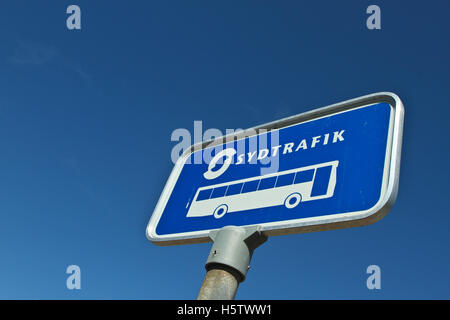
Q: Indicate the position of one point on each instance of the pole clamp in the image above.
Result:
(233, 248)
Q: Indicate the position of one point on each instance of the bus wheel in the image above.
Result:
(292, 200)
(220, 211)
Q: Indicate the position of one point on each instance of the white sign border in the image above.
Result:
(329, 222)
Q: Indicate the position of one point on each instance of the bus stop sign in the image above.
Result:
(333, 167)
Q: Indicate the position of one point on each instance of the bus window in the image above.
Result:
(304, 176)
(219, 192)
(234, 189)
(204, 194)
(285, 179)
(250, 186)
(267, 183)
(321, 181)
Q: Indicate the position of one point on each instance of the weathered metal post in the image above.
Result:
(228, 262)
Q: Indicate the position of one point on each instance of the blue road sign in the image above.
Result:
(329, 168)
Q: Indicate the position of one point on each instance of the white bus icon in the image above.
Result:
(287, 188)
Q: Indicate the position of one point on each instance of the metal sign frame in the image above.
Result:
(320, 223)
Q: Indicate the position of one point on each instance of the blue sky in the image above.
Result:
(86, 118)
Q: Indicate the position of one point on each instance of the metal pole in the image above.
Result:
(218, 285)
(228, 261)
